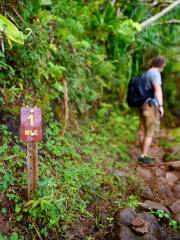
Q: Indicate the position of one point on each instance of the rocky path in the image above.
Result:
(160, 191)
(159, 186)
(162, 179)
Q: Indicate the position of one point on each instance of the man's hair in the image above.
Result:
(158, 62)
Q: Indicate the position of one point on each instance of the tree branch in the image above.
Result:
(161, 3)
(113, 2)
(152, 19)
(172, 21)
(155, 3)
(175, 21)
(66, 108)
(1, 42)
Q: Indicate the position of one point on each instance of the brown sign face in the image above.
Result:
(31, 124)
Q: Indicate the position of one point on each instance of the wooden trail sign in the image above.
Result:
(31, 132)
(31, 124)
(32, 168)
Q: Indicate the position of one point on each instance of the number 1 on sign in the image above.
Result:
(31, 118)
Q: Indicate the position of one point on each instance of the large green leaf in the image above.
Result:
(11, 31)
(46, 2)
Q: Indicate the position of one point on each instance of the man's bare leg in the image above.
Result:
(141, 134)
(141, 141)
(146, 145)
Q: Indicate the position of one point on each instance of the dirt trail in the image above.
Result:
(160, 189)
(163, 178)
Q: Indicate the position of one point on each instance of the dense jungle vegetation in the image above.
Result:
(90, 49)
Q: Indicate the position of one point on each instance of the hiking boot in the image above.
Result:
(146, 160)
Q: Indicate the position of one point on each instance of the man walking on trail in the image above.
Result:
(152, 110)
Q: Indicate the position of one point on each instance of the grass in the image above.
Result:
(73, 172)
(172, 151)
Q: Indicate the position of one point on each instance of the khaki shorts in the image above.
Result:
(149, 120)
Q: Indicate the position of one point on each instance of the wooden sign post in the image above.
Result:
(31, 132)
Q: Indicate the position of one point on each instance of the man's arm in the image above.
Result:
(159, 95)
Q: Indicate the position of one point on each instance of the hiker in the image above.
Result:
(152, 110)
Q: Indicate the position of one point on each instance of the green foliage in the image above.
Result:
(14, 236)
(131, 202)
(95, 49)
(11, 31)
(10, 158)
(170, 147)
(163, 215)
(71, 173)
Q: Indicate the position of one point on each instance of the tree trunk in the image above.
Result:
(113, 2)
(152, 19)
(66, 109)
(1, 42)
